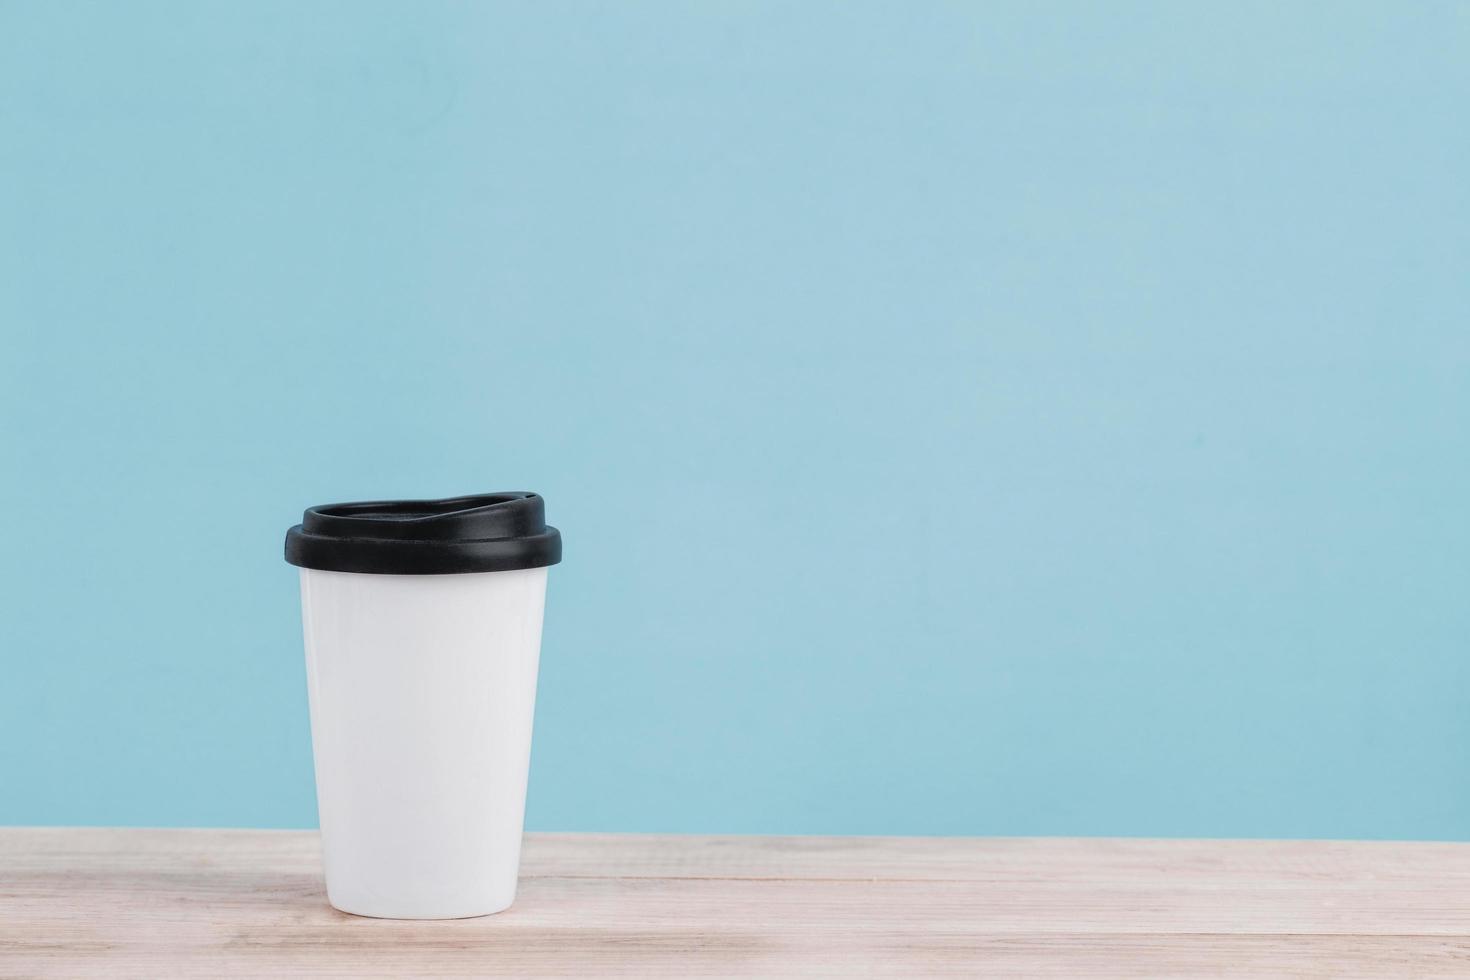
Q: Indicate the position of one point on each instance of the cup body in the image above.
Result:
(422, 691)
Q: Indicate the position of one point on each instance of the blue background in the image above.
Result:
(963, 419)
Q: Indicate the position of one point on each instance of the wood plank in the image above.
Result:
(108, 902)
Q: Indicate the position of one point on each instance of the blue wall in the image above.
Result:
(963, 419)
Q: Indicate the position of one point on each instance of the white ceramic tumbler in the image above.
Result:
(422, 622)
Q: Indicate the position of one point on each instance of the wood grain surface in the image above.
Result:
(156, 903)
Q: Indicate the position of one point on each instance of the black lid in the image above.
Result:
(489, 532)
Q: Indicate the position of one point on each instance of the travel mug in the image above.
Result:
(422, 621)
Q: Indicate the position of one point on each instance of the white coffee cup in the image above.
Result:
(423, 633)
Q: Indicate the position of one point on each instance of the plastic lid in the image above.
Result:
(489, 532)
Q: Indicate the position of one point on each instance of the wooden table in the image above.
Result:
(154, 903)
